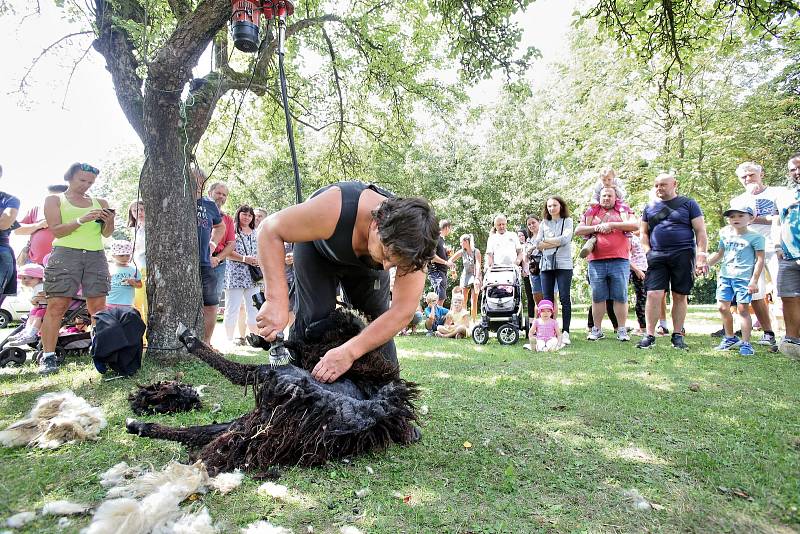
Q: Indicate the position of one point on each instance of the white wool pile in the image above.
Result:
(196, 523)
(264, 527)
(64, 508)
(130, 516)
(186, 479)
(227, 482)
(55, 419)
(350, 530)
(118, 473)
(276, 491)
(20, 520)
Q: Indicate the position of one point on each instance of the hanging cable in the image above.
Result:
(285, 97)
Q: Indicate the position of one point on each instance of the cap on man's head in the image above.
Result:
(740, 207)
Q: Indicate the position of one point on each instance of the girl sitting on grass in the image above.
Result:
(544, 330)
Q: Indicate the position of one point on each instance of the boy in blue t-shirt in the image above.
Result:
(742, 253)
(124, 277)
(434, 314)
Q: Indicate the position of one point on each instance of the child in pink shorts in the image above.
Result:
(31, 276)
(544, 329)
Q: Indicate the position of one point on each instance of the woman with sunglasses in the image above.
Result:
(78, 261)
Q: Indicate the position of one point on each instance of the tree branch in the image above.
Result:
(44, 53)
(72, 73)
(179, 8)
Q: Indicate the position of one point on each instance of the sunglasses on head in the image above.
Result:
(88, 168)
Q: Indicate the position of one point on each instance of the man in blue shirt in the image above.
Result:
(9, 207)
(786, 235)
(670, 227)
(210, 229)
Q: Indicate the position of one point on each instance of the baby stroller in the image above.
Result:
(501, 306)
(67, 344)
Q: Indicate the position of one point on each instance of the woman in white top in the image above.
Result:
(136, 221)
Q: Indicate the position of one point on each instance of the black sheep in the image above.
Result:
(297, 420)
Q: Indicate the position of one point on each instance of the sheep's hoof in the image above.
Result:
(135, 427)
(184, 334)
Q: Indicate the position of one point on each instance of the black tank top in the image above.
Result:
(338, 248)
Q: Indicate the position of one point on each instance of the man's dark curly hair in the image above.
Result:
(409, 230)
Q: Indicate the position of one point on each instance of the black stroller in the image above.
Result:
(68, 344)
(501, 307)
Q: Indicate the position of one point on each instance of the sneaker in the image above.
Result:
(647, 342)
(595, 334)
(565, 338)
(769, 340)
(718, 333)
(662, 330)
(48, 365)
(622, 334)
(790, 346)
(527, 346)
(26, 339)
(678, 342)
(746, 349)
(728, 343)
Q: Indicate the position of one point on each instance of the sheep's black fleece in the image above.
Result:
(297, 420)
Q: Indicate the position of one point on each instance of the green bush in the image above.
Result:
(705, 289)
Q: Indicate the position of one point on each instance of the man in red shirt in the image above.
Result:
(218, 192)
(609, 263)
(33, 224)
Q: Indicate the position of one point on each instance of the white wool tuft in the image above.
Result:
(64, 508)
(121, 516)
(196, 523)
(64, 522)
(21, 519)
(118, 473)
(264, 527)
(55, 419)
(271, 489)
(187, 479)
(199, 389)
(129, 516)
(349, 530)
(227, 482)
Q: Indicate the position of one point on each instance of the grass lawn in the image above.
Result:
(513, 442)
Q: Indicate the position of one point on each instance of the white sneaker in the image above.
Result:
(527, 346)
(622, 334)
(565, 338)
(595, 334)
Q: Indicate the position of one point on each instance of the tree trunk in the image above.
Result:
(168, 192)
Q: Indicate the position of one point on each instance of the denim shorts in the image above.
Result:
(729, 289)
(219, 272)
(208, 280)
(789, 278)
(438, 282)
(609, 279)
(536, 283)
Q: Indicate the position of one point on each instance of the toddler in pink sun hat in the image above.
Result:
(544, 332)
(31, 277)
(124, 276)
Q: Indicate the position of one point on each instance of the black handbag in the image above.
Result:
(548, 261)
(255, 271)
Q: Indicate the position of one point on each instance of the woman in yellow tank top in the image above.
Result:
(78, 261)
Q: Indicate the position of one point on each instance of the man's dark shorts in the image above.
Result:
(438, 281)
(673, 269)
(208, 280)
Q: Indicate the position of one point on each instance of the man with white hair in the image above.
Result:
(763, 200)
(786, 236)
(673, 233)
(503, 247)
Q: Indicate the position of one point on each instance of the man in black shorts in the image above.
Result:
(670, 228)
(347, 234)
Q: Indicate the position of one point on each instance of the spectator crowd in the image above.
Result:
(654, 254)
